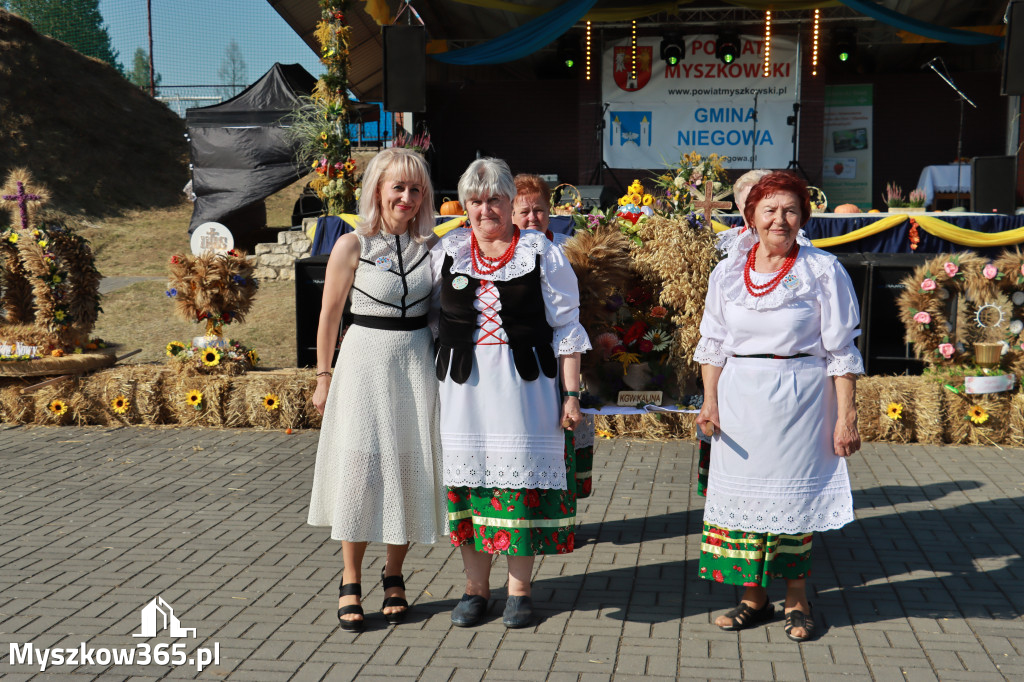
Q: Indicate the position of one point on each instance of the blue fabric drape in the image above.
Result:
(522, 41)
(918, 27)
(328, 229)
(897, 239)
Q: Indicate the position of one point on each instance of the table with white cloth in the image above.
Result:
(943, 179)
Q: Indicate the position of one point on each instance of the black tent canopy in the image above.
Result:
(241, 153)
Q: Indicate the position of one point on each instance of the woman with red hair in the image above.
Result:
(779, 364)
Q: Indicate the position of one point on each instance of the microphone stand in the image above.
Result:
(960, 131)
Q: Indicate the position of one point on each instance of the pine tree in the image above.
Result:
(139, 75)
(232, 71)
(75, 22)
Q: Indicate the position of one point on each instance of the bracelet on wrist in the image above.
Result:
(323, 374)
(570, 394)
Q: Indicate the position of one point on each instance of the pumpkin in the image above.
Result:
(847, 208)
(449, 207)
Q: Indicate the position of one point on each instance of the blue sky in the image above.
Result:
(190, 37)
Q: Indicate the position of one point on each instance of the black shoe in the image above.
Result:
(390, 582)
(469, 611)
(744, 617)
(351, 625)
(518, 612)
(799, 619)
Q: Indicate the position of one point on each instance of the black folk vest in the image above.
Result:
(522, 318)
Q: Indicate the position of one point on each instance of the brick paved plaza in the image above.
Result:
(99, 522)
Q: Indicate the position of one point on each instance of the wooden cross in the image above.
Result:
(708, 203)
(22, 198)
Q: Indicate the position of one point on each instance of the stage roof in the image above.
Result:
(468, 22)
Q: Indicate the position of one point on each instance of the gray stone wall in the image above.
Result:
(277, 261)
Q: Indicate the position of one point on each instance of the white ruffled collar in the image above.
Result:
(811, 263)
(531, 243)
(743, 239)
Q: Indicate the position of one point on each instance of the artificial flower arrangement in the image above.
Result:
(634, 352)
(893, 197)
(635, 203)
(217, 289)
(683, 182)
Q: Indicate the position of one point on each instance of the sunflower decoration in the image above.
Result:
(271, 401)
(57, 407)
(894, 411)
(174, 347)
(195, 399)
(120, 404)
(977, 414)
(211, 357)
(253, 356)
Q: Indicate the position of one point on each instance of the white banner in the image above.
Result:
(657, 111)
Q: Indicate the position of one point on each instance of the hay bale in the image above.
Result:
(253, 393)
(67, 393)
(312, 418)
(928, 420)
(660, 426)
(16, 408)
(960, 429)
(868, 416)
(1016, 436)
(136, 387)
(214, 390)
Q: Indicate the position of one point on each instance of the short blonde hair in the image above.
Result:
(487, 177)
(746, 181)
(404, 164)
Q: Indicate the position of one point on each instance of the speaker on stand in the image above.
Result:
(405, 68)
(1013, 55)
(993, 184)
(310, 274)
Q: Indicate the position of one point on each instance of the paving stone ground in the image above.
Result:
(96, 523)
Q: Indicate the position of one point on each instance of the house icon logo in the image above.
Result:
(158, 615)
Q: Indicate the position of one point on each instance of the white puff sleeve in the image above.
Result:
(562, 302)
(840, 317)
(712, 325)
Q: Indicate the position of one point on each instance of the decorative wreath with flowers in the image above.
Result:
(49, 285)
(955, 301)
(214, 288)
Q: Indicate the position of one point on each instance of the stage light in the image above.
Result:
(844, 44)
(588, 50)
(814, 44)
(727, 47)
(569, 53)
(673, 48)
(767, 43)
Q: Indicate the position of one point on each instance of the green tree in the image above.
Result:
(232, 71)
(75, 22)
(139, 75)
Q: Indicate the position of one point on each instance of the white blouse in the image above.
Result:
(814, 310)
(558, 285)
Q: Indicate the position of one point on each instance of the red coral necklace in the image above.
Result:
(486, 265)
(758, 290)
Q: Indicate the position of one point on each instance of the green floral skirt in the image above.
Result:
(516, 521)
(737, 557)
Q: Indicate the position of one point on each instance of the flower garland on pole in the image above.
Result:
(321, 124)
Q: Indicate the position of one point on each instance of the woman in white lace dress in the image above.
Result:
(509, 364)
(378, 464)
(779, 365)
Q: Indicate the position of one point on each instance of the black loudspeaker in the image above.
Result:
(885, 349)
(993, 183)
(596, 196)
(405, 68)
(1013, 52)
(309, 293)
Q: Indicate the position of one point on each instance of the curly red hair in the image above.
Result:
(532, 184)
(774, 183)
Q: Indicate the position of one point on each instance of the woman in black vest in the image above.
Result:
(508, 361)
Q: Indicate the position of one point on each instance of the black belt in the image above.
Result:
(769, 356)
(391, 324)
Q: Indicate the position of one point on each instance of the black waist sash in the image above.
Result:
(391, 324)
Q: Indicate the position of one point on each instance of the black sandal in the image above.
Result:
(390, 582)
(799, 619)
(351, 625)
(744, 617)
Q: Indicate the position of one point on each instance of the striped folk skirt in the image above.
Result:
(516, 521)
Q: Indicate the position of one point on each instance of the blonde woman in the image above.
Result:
(378, 466)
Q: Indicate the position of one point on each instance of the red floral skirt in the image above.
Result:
(516, 521)
(748, 559)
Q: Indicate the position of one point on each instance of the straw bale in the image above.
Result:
(655, 426)
(139, 385)
(16, 408)
(215, 392)
(69, 392)
(928, 415)
(312, 418)
(1016, 436)
(246, 404)
(868, 414)
(960, 429)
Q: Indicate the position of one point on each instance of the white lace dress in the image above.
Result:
(773, 466)
(378, 464)
(498, 431)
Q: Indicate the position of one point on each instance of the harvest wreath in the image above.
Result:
(963, 309)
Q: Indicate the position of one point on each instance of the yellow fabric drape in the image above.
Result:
(350, 218)
(449, 225)
(930, 224)
(378, 11)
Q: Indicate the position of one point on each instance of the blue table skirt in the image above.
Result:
(897, 239)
